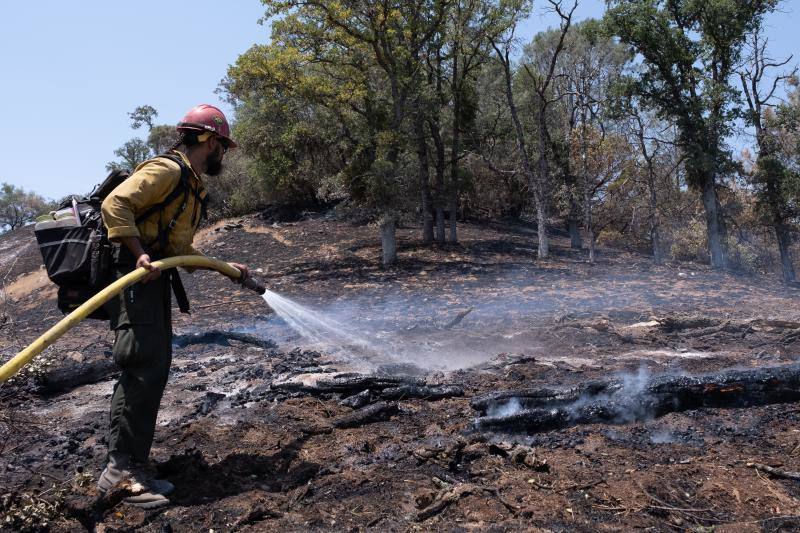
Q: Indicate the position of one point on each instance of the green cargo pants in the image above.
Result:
(142, 323)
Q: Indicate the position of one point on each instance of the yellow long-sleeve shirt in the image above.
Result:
(149, 185)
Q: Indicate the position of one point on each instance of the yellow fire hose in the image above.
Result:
(53, 334)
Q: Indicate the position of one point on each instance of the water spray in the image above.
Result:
(13, 366)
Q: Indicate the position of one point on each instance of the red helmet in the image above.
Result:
(208, 118)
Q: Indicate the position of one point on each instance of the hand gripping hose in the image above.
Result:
(53, 334)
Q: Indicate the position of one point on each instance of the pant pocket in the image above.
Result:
(138, 344)
(142, 303)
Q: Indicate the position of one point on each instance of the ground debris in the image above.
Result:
(372, 413)
(271, 460)
(210, 400)
(357, 400)
(777, 472)
(256, 514)
(457, 319)
(451, 495)
(673, 323)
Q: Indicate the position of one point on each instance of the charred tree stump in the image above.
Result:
(618, 403)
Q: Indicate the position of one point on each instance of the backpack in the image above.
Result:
(74, 244)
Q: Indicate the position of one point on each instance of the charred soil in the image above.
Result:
(260, 432)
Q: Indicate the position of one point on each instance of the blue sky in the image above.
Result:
(71, 71)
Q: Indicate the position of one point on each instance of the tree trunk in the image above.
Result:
(541, 216)
(587, 188)
(388, 240)
(655, 219)
(784, 242)
(655, 222)
(573, 218)
(575, 238)
(439, 188)
(541, 224)
(541, 179)
(424, 178)
(454, 149)
(715, 227)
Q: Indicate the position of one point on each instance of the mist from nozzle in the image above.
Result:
(371, 332)
(315, 326)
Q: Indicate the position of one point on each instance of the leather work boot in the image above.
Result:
(148, 493)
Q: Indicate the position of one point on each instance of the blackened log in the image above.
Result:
(216, 336)
(426, 392)
(533, 420)
(532, 398)
(372, 413)
(63, 379)
(653, 398)
(350, 384)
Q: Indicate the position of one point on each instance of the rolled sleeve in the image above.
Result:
(118, 232)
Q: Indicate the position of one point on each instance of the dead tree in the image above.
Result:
(770, 171)
(542, 84)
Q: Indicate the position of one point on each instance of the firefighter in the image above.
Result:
(154, 214)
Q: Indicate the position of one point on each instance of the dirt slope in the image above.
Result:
(253, 442)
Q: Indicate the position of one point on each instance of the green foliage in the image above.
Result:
(333, 106)
(131, 154)
(160, 139)
(784, 128)
(236, 191)
(689, 51)
(19, 207)
(690, 243)
(144, 114)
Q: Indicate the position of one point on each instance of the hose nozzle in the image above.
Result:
(254, 285)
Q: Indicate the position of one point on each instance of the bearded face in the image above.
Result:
(214, 161)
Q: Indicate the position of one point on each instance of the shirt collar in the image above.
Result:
(188, 164)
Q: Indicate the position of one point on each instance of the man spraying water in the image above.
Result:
(152, 215)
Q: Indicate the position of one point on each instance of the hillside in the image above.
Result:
(253, 433)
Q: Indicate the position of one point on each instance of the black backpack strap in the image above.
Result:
(178, 289)
(183, 187)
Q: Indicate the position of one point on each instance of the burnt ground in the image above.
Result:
(249, 453)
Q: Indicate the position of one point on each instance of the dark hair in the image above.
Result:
(187, 138)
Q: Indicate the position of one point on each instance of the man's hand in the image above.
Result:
(244, 270)
(144, 262)
(134, 245)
